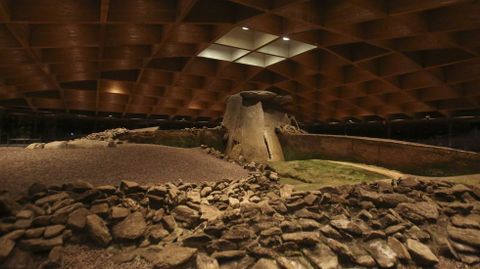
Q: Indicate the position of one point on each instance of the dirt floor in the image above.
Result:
(142, 163)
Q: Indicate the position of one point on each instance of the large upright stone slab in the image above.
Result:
(251, 118)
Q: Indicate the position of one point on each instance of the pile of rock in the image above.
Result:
(73, 144)
(107, 135)
(252, 167)
(290, 129)
(249, 223)
(105, 139)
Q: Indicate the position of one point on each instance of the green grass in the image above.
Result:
(313, 174)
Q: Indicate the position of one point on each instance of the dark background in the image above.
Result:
(464, 132)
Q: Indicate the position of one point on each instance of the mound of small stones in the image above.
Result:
(252, 167)
(107, 135)
(250, 223)
(105, 139)
(290, 129)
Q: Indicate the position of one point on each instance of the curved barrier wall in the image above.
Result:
(407, 157)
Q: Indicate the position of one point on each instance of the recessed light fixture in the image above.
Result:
(245, 28)
(286, 38)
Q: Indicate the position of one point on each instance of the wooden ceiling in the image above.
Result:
(374, 59)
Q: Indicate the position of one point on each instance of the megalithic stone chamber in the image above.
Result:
(251, 118)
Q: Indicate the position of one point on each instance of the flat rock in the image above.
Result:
(19, 259)
(209, 212)
(35, 146)
(78, 218)
(228, 254)
(286, 191)
(56, 145)
(24, 214)
(322, 257)
(382, 253)
(264, 263)
(467, 236)
(293, 263)
(157, 233)
(258, 95)
(399, 249)
(14, 235)
(89, 144)
(6, 246)
(308, 238)
(173, 257)
(23, 223)
(132, 227)
(361, 256)
(101, 209)
(98, 230)
(118, 212)
(53, 230)
(42, 244)
(346, 226)
(393, 199)
(329, 231)
(421, 253)
(340, 248)
(81, 185)
(206, 262)
(469, 221)
(34, 232)
(130, 186)
(169, 222)
(245, 262)
(418, 212)
(186, 214)
(52, 198)
(238, 233)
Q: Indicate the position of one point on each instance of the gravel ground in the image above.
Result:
(142, 163)
(90, 257)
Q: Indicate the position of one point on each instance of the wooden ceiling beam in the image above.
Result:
(104, 9)
(183, 7)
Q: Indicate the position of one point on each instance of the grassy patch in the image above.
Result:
(313, 174)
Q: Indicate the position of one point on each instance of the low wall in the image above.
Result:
(407, 157)
(186, 138)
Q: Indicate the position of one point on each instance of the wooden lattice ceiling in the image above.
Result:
(374, 58)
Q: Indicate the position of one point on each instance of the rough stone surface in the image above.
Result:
(78, 218)
(6, 246)
(333, 227)
(203, 261)
(421, 253)
(42, 244)
(322, 257)
(98, 230)
(467, 236)
(382, 253)
(132, 227)
(418, 212)
(173, 257)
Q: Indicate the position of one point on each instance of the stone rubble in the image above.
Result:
(250, 223)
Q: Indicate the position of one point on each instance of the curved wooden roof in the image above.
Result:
(371, 58)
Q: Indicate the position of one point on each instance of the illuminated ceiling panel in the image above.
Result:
(245, 46)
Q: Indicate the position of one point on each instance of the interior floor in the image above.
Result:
(143, 163)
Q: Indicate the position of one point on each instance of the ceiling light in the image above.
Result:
(286, 38)
(245, 28)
